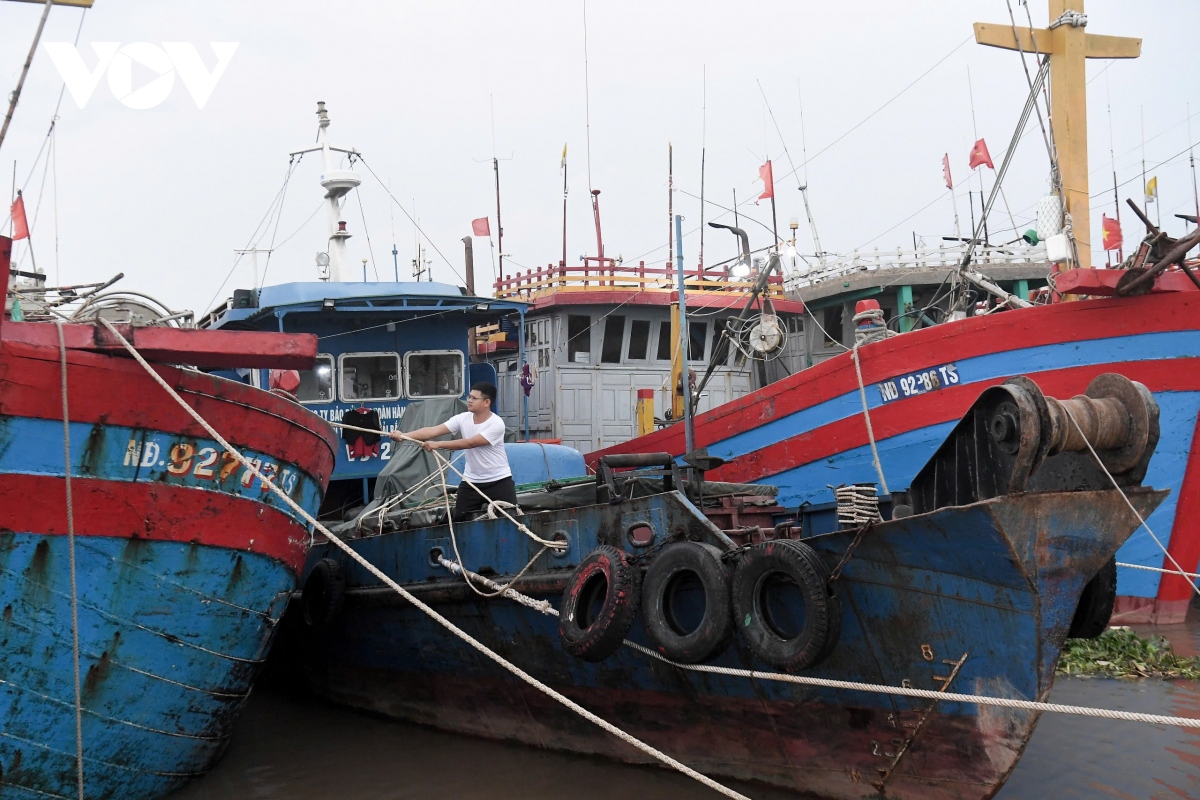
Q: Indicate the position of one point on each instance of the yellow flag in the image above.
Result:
(1152, 187)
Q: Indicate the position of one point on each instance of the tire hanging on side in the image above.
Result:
(1095, 603)
(323, 594)
(598, 605)
(675, 625)
(784, 606)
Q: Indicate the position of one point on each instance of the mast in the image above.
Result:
(563, 263)
(337, 183)
(499, 225)
(670, 204)
(703, 149)
(599, 237)
(1067, 44)
(812, 225)
(684, 343)
(16, 94)
(1112, 160)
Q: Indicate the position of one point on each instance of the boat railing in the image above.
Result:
(922, 258)
(615, 277)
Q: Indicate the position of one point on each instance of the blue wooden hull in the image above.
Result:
(997, 581)
(172, 636)
(184, 567)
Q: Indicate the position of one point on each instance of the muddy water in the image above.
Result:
(290, 747)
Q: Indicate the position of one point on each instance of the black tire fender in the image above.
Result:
(323, 594)
(1095, 603)
(677, 567)
(770, 581)
(598, 605)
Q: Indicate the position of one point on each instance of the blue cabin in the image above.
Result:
(381, 347)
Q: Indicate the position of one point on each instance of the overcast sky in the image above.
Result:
(166, 195)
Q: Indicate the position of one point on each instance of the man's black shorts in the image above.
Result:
(468, 502)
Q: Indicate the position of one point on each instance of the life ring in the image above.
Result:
(1095, 603)
(323, 594)
(598, 605)
(685, 603)
(783, 604)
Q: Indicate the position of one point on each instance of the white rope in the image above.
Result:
(862, 393)
(1192, 575)
(441, 620)
(926, 694)
(553, 544)
(1125, 497)
(62, 349)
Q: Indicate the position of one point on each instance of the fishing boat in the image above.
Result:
(383, 346)
(867, 391)
(143, 573)
(969, 586)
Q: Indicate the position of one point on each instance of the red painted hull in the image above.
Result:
(1154, 339)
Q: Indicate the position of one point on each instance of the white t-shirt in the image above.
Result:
(489, 462)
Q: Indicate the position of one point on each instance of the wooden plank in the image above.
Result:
(197, 348)
(992, 35)
(1098, 46)
(1103, 282)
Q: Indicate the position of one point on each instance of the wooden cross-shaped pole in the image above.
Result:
(1068, 47)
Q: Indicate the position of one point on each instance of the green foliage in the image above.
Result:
(1121, 653)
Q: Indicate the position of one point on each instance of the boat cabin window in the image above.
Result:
(316, 384)
(639, 339)
(721, 345)
(579, 339)
(370, 376)
(834, 316)
(614, 335)
(696, 333)
(664, 341)
(434, 373)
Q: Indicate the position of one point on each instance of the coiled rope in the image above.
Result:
(62, 350)
(434, 615)
(545, 607)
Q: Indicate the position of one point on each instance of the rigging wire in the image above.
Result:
(404, 211)
(53, 119)
(887, 103)
(266, 217)
(367, 233)
(275, 231)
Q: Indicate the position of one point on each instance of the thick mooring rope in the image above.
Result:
(1125, 497)
(545, 607)
(1191, 575)
(66, 416)
(441, 620)
(862, 393)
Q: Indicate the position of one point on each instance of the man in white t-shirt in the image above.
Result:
(481, 434)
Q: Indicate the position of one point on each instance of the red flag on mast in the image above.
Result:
(1110, 231)
(480, 227)
(946, 171)
(764, 174)
(980, 155)
(20, 223)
